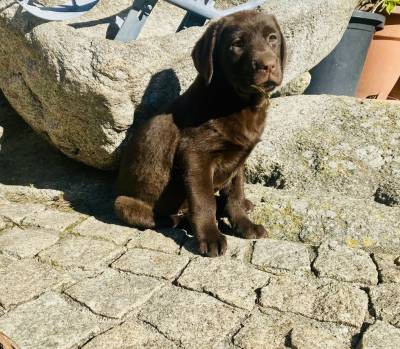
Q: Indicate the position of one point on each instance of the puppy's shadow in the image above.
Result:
(163, 88)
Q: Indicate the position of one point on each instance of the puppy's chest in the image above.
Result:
(241, 131)
(237, 138)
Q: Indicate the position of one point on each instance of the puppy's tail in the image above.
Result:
(134, 212)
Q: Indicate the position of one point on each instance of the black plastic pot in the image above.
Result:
(339, 73)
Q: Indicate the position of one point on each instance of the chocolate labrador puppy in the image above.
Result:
(178, 160)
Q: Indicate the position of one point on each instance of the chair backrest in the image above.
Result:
(69, 10)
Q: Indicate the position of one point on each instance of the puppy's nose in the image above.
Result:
(268, 65)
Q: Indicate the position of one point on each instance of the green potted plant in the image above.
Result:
(387, 6)
(382, 69)
(339, 73)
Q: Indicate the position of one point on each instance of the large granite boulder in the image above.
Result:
(331, 144)
(83, 91)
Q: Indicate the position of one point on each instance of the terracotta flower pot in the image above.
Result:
(382, 66)
(6, 342)
(339, 72)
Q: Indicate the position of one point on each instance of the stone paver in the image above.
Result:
(380, 336)
(114, 293)
(343, 263)
(25, 279)
(151, 263)
(166, 240)
(16, 212)
(231, 281)
(389, 267)
(278, 255)
(193, 319)
(92, 227)
(237, 248)
(81, 252)
(274, 330)
(385, 300)
(27, 242)
(50, 322)
(321, 300)
(130, 335)
(307, 337)
(52, 219)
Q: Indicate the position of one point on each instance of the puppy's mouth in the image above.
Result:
(259, 84)
(269, 85)
(267, 81)
(263, 88)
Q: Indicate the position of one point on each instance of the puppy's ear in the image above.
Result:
(203, 52)
(283, 51)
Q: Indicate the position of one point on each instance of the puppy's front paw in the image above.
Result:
(254, 231)
(212, 244)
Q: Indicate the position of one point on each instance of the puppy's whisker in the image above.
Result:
(260, 90)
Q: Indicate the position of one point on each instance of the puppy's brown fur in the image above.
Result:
(178, 160)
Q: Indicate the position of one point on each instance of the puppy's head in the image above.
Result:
(247, 49)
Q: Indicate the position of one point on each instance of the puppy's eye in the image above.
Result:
(272, 38)
(237, 43)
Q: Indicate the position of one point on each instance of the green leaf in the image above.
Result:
(390, 7)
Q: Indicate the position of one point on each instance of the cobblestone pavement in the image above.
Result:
(72, 277)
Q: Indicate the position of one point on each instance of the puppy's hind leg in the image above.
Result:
(134, 212)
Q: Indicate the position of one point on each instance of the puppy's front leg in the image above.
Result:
(202, 205)
(235, 208)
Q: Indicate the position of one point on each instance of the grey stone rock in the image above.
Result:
(385, 301)
(342, 263)
(164, 20)
(231, 281)
(16, 212)
(295, 87)
(28, 242)
(388, 192)
(329, 143)
(25, 279)
(380, 336)
(273, 329)
(237, 248)
(50, 322)
(277, 256)
(130, 335)
(167, 240)
(94, 228)
(81, 91)
(151, 263)
(52, 219)
(193, 319)
(389, 270)
(322, 300)
(3, 224)
(114, 294)
(5, 261)
(317, 216)
(81, 253)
